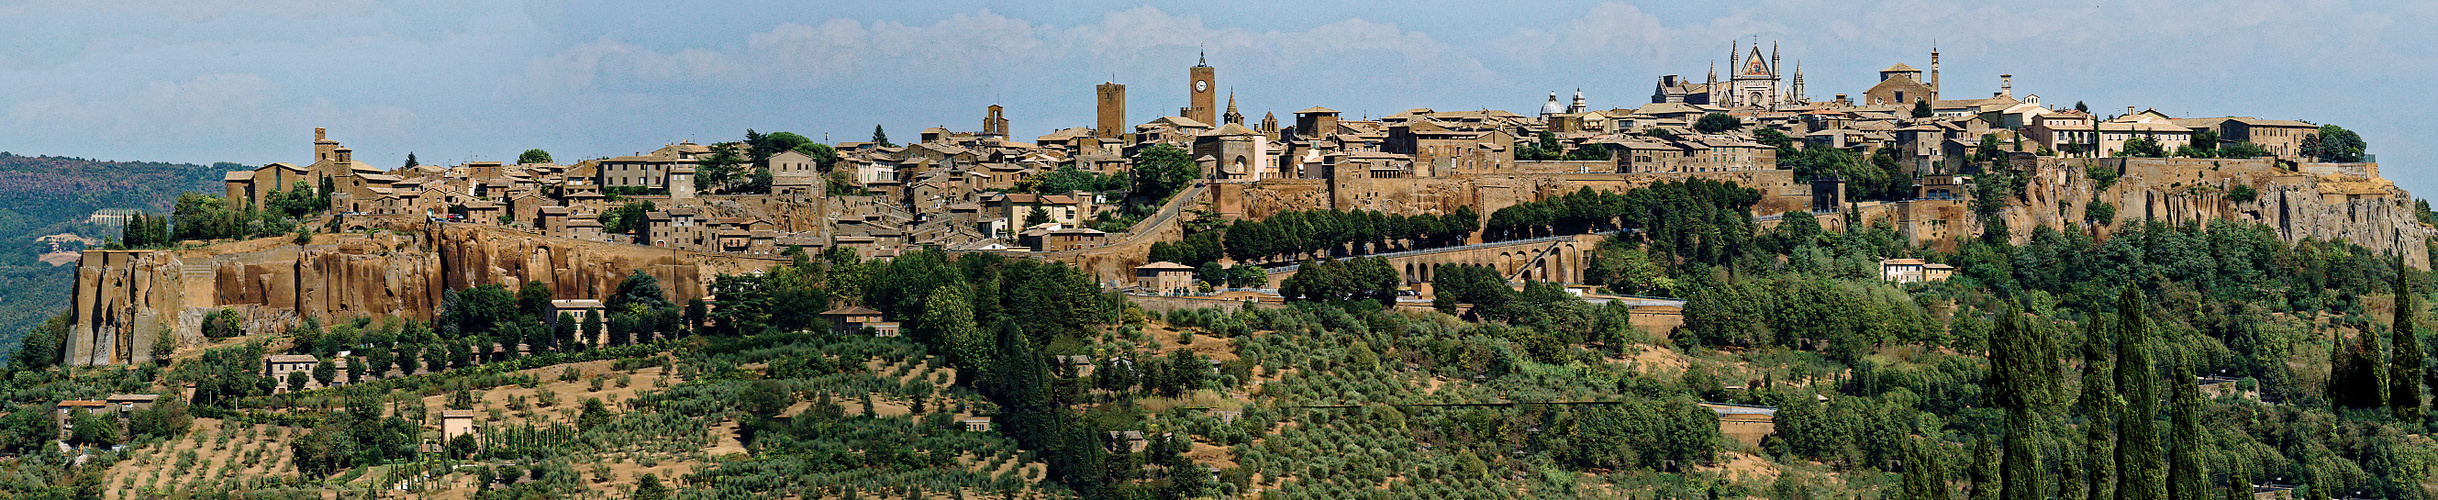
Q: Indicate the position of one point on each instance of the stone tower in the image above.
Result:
(1934, 73)
(1112, 111)
(994, 123)
(1232, 116)
(1204, 108)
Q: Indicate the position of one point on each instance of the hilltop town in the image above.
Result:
(1730, 288)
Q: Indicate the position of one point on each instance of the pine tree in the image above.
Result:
(2099, 411)
(881, 137)
(2140, 475)
(2186, 478)
(2404, 380)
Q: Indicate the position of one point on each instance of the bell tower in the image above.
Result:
(1203, 91)
(1112, 107)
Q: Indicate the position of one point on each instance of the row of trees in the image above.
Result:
(1695, 219)
(1336, 232)
(1362, 278)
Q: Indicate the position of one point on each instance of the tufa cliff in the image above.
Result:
(127, 300)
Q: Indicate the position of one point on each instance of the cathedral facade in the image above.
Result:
(1756, 81)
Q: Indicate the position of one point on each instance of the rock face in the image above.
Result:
(126, 300)
(2323, 201)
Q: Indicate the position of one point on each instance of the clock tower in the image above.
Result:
(1203, 91)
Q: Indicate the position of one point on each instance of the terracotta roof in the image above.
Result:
(1164, 265)
(850, 311)
(1316, 109)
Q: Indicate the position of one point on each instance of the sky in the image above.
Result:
(452, 81)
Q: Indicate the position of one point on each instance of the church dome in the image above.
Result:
(1552, 107)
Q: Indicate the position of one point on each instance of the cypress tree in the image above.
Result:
(2140, 475)
(1925, 478)
(2019, 382)
(2404, 379)
(2186, 479)
(2099, 411)
(1985, 469)
(2239, 482)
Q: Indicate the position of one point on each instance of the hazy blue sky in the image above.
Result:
(246, 81)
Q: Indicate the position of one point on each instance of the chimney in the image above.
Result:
(1841, 99)
(2128, 110)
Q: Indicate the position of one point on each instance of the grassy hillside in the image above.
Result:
(48, 195)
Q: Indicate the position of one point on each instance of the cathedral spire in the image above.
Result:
(1798, 95)
(1232, 116)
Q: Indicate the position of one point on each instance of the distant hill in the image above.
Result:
(42, 196)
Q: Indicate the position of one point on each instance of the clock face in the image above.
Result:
(1202, 86)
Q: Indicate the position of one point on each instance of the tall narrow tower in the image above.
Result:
(1112, 111)
(1203, 109)
(1934, 72)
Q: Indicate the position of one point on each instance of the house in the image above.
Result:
(576, 310)
(67, 409)
(126, 403)
(278, 366)
(1913, 271)
(1164, 277)
(1744, 423)
(456, 423)
(976, 424)
(855, 319)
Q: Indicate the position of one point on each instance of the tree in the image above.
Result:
(326, 372)
(1161, 170)
(1713, 123)
(563, 331)
(2079, 106)
(881, 137)
(2099, 411)
(592, 328)
(2186, 479)
(2023, 375)
(223, 324)
(1985, 469)
(638, 288)
(2142, 146)
(2137, 451)
(1921, 108)
(715, 171)
(2404, 379)
(2242, 150)
(2334, 144)
(648, 487)
(410, 160)
(1925, 478)
(628, 218)
(533, 156)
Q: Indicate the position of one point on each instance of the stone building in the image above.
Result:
(1164, 278)
(1901, 85)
